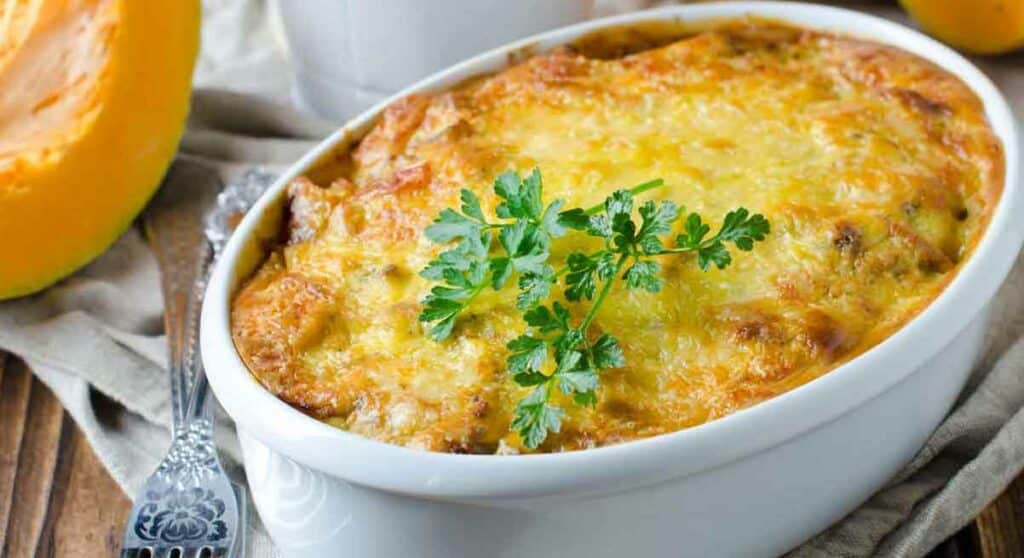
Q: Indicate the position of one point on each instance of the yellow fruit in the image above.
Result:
(978, 26)
(93, 100)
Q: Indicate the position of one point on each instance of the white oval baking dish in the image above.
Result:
(755, 483)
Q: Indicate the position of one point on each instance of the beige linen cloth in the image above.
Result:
(96, 339)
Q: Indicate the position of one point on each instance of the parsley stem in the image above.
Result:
(476, 291)
(681, 249)
(674, 251)
(604, 293)
(639, 188)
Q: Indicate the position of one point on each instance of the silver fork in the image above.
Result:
(188, 507)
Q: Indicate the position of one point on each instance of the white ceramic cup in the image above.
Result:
(347, 55)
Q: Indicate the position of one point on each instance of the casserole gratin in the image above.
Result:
(876, 168)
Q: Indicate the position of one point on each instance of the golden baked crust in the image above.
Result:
(877, 170)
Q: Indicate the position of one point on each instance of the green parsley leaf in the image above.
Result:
(522, 197)
(695, 231)
(738, 227)
(456, 258)
(599, 226)
(532, 263)
(644, 275)
(580, 380)
(566, 342)
(551, 222)
(742, 229)
(458, 279)
(534, 417)
(594, 225)
(442, 329)
(501, 270)
(527, 354)
(446, 301)
(573, 377)
(534, 286)
(714, 253)
(547, 320)
(585, 271)
(606, 352)
(527, 245)
(568, 361)
(575, 219)
(657, 219)
(512, 236)
(585, 398)
(619, 207)
(438, 307)
(580, 279)
(465, 271)
(477, 246)
(471, 205)
(532, 189)
(528, 379)
(451, 225)
(506, 186)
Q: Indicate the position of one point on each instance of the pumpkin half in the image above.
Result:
(93, 102)
(977, 26)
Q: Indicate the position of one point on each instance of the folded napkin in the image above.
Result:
(95, 339)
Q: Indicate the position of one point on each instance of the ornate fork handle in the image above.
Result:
(189, 225)
(188, 229)
(188, 505)
(174, 228)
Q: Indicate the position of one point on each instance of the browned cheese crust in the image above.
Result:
(877, 170)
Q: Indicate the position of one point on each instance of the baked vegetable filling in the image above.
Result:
(876, 169)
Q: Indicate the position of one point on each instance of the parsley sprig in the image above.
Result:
(557, 352)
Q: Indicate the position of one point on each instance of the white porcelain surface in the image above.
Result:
(751, 484)
(350, 54)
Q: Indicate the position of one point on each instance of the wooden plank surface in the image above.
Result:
(999, 529)
(56, 499)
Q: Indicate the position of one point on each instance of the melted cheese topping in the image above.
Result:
(876, 169)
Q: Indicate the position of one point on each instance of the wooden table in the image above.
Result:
(56, 499)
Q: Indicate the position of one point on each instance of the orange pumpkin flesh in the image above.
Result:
(93, 102)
